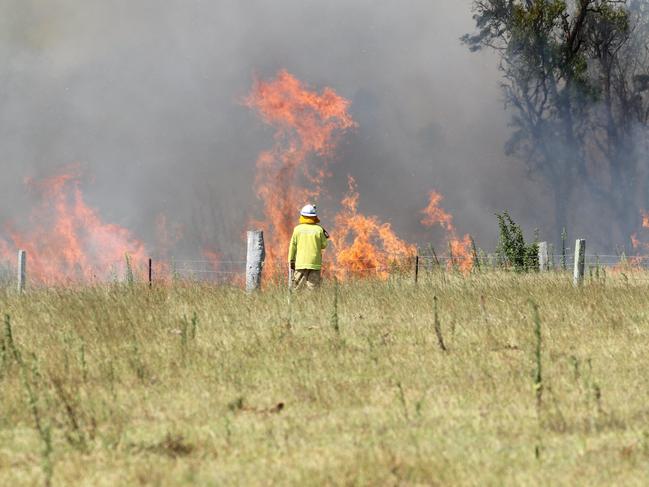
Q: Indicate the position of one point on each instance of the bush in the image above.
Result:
(512, 249)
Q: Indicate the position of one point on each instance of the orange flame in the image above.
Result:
(645, 219)
(635, 262)
(636, 242)
(365, 246)
(434, 215)
(306, 124)
(68, 241)
(460, 248)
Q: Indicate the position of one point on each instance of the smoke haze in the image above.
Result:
(146, 97)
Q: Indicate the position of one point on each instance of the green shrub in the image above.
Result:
(512, 249)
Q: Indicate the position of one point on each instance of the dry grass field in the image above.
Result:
(200, 385)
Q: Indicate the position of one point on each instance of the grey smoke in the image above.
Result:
(145, 96)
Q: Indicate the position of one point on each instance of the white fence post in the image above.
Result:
(544, 263)
(580, 262)
(22, 270)
(254, 259)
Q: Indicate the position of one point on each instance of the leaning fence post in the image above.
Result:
(544, 263)
(254, 259)
(22, 270)
(580, 262)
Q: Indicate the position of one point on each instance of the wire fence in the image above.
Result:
(383, 266)
(399, 264)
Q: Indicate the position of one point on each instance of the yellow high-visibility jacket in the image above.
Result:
(306, 246)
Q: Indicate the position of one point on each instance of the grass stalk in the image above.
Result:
(438, 327)
(538, 370)
(335, 322)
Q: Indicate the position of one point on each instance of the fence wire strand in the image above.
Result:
(223, 271)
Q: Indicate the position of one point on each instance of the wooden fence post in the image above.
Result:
(580, 262)
(22, 270)
(544, 263)
(416, 268)
(255, 256)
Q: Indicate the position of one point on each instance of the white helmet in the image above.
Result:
(309, 210)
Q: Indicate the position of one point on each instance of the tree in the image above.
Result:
(572, 73)
(617, 140)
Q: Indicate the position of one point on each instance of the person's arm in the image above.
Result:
(325, 237)
(292, 250)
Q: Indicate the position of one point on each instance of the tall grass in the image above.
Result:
(205, 385)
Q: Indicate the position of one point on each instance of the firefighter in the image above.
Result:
(305, 250)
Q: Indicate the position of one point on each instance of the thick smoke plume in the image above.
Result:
(147, 97)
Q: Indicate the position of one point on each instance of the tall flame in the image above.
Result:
(307, 129)
(67, 240)
(460, 248)
(308, 126)
(365, 246)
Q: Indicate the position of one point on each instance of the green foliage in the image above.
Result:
(573, 76)
(512, 249)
